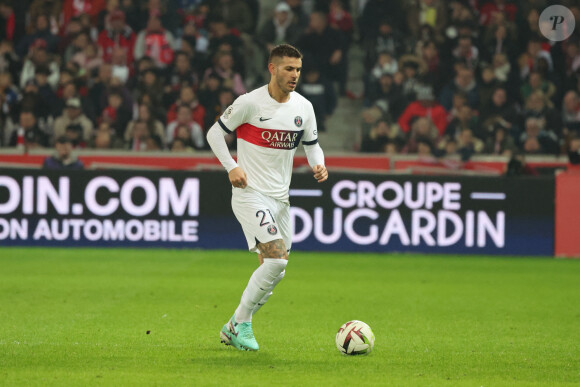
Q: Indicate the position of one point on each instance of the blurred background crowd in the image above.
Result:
(440, 77)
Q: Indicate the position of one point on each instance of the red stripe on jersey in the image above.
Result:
(269, 138)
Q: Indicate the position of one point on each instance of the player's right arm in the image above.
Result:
(235, 115)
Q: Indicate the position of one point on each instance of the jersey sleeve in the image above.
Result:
(236, 114)
(310, 136)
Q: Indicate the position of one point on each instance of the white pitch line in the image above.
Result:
(488, 195)
(306, 192)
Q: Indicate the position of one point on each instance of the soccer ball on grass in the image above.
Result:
(355, 338)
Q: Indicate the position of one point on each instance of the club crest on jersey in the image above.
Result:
(228, 112)
(272, 230)
(298, 121)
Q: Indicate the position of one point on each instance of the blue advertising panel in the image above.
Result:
(464, 215)
(467, 215)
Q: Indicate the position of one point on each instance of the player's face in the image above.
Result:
(287, 73)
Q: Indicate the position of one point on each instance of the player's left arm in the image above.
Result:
(314, 152)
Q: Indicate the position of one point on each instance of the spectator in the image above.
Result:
(120, 70)
(427, 12)
(468, 144)
(183, 135)
(378, 137)
(8, 59)
(320, 92)
(536, 139)
(89, 59)
(429, 53)
(411, 70)
(529, 59)
(571, 112)
(517, 166)
(499, 110)
(574, 151)
(224, 68)
(464, 81)
(63, 157)
(187, 97)
(327, 47)
(73, 115)
(222, 39)
(156, 43)
(466, 52)
(386, 95)
(209, 96)
(27, 134)
(178, 145)
(184, 117)
(465, 119)
(235, 13)
(386, 39)
(281, 28)
(501, 143)
(103, 137)
(9, 98)
(572, 58)
(38, 56)
(98, 90)
(377, 11)
(486, 85)
(116, 113)
(154, 126)
(386, 63)
(117, 34)
(74, 8)
(33, 101)
(139, 135)
(40, 32)
(498, 40)
(424, 106)
(537, 82)
(45, 92)
(182, 74)
(9, 30)
(538, 106)
(422, 129)
(340, 19)
(77, 45)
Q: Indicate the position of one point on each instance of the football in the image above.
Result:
(355, 338)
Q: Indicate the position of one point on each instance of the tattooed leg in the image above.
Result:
(273, 249)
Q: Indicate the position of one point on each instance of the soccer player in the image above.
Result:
(270, 123)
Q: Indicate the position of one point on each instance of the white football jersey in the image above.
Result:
(268, 134)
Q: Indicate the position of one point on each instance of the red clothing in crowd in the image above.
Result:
(10, 26)
(436, 112)
(109, 40)
(197, 113)
(157, 47)
(72, 8)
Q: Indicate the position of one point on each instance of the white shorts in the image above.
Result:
(263, 218)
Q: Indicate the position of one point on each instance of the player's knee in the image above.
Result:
(281, 275)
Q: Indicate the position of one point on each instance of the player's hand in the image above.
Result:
(238, 178)
(320, 173)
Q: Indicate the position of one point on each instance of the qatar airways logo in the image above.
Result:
(281, 139)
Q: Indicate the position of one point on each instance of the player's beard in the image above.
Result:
(283, 85)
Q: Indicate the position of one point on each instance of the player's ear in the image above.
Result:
(272, 68)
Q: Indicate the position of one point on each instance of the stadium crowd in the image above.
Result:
(442, 77)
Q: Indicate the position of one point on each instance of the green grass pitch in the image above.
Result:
(82, 317)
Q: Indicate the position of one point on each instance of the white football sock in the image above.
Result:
(265, 298)
(261, 283)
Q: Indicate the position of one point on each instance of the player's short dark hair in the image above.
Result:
(283, 50)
